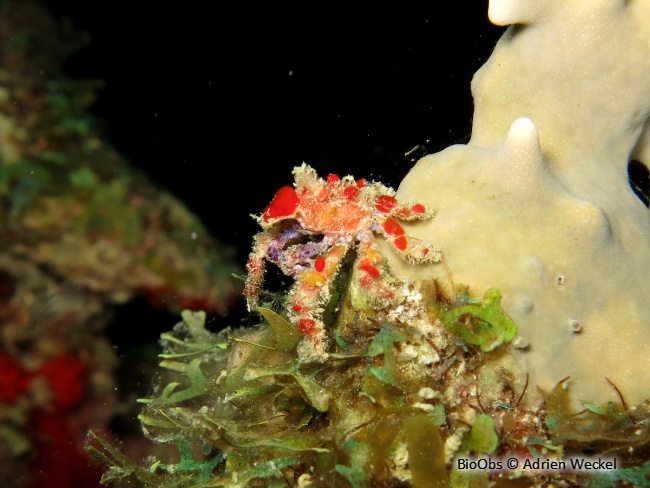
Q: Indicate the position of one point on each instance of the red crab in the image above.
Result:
(309, 228)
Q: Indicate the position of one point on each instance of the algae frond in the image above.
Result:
(397, 402)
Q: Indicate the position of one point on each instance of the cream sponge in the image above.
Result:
(538, 203)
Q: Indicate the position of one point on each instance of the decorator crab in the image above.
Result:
(309, 228)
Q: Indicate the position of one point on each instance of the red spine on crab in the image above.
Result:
(415, 211)
(385, 203)
(400, 243)
(333, 178)
(369, 259)
(306, 326)
(370, 269)
(392, 228)
(284, 203)
(351, 192)
(319, 264)
(418, 208)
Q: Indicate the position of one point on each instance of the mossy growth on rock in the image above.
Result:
(408, 388)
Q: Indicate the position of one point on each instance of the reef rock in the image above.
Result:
(538, 203)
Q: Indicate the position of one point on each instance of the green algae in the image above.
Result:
(425, 447)
(383, 345)
(637, 476)
(362, 417)
(286, 335)
(271, 418)
(482, 436)
(482, 324)
(187, 462)
(358, 456)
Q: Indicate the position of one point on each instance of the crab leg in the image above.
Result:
(409, 248)
(311, 290)
(255, 268)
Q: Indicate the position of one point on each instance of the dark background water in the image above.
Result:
(219, 102)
